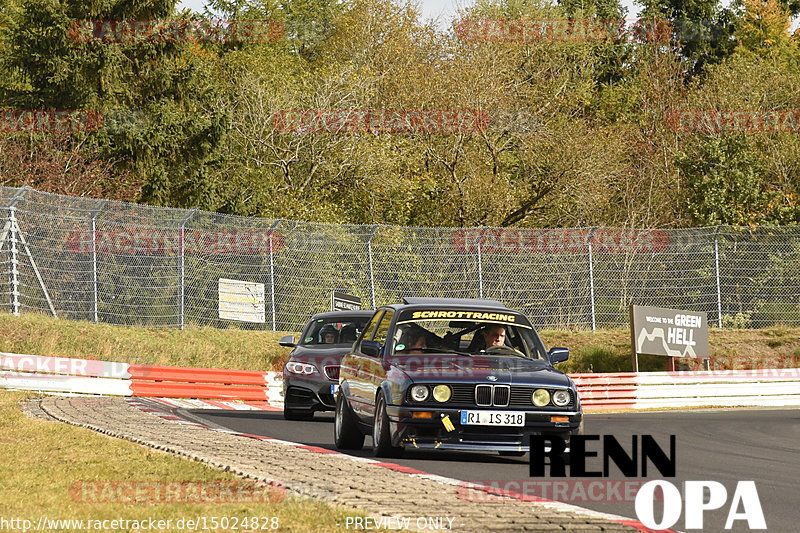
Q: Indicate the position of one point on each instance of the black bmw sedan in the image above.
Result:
(452, 374)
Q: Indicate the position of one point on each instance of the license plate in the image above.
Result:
(334, 388)
(492, 418)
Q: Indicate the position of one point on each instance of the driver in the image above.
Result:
(494, 335)
(328, 334)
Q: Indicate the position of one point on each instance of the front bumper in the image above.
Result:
(432, 433)
(307, 394)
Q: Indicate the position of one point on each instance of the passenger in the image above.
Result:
(414, 341)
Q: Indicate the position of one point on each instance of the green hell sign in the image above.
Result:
(669, 332)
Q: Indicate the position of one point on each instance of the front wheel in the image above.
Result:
(346, 434)
(381, 437)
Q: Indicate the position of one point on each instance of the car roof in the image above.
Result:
(409, 302)
(351, 314)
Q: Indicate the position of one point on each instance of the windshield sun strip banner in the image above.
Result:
(508, 319)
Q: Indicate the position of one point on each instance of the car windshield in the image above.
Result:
(511, 335)
(342, 330)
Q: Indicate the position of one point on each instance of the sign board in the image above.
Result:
(341, 301)
(669, 332)
(241, 300)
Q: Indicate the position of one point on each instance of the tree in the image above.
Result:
(156, 97)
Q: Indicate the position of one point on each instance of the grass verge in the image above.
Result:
(43, 460)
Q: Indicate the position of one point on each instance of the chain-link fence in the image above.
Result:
(121, 263)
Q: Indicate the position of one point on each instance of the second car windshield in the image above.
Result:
(473, 337)
(334, 330)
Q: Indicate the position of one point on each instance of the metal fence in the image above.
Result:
(129, 264)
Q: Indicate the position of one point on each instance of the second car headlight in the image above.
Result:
(419, 393)
(540, 397)
(442, 393)
(300, 368)
(561, 398)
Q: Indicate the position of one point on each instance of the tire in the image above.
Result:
(293, 414)
(346, 434)
(381, 438)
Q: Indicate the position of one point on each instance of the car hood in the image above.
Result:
(301, 352)
(481, 369)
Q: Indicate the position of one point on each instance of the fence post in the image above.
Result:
(591, 278)
(272, 273)
(716, 271)
(93, 228)
(9, 232)
(181, 281)
(480, 263)
(371, 270)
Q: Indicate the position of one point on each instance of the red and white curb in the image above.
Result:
(162, 409)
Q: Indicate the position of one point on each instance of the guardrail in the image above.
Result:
(622, 390)
(66, 375)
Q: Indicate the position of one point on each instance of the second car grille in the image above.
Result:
(332, 372)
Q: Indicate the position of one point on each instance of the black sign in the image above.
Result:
(341, 301)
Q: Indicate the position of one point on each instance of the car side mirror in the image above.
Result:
(288, 341)
(558, 355)
(371, 348)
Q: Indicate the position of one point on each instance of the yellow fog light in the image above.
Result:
(442, 393)
(540, 397)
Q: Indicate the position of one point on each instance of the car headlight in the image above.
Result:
(540, 397)
(419, 393)
(442, 393)
(300, 368)
(561, 398)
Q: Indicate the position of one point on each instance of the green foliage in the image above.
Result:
(724, 181)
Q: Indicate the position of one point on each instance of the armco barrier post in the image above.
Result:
(181, 280)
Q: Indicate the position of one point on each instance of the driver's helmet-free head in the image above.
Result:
(328, 334)
(410, 336)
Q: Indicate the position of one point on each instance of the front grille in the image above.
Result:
(501, 394)
(483, 395)
(332, 372)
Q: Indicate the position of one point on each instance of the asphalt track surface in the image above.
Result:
(720, 445)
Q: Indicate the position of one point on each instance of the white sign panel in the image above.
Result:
(241, 300)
